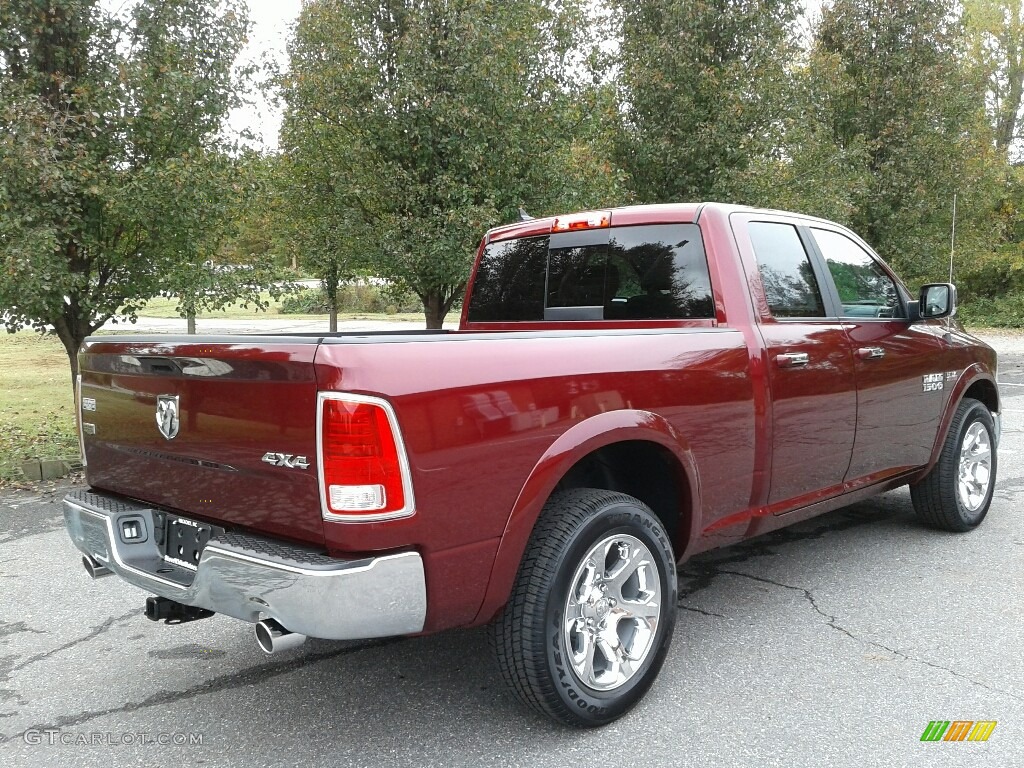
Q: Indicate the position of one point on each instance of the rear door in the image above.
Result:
(809, 362)
(220, 430)
(899, 365)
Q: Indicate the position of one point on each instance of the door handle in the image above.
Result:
(870, 353)
(792, 359)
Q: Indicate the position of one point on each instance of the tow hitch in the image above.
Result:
(170, 612)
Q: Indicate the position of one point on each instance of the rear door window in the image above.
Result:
(648, 272)
(787, 276)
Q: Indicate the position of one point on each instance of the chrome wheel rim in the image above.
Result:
(975, 472)
(612, 612)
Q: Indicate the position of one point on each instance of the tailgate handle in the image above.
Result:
(159, 365)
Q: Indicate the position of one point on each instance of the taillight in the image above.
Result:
(78, 416)
(364, 472)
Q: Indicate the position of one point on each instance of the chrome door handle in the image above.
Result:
(792, 359)
(870, 353)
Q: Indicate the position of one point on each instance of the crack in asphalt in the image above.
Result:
(228, 682)
(831, 622)
(95, 632)
(700, 610)
(35, 528)
(701, 574)
(7, 670)
(17, 627)
(10, 694)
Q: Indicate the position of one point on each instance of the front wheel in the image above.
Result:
(590, 618)
(955, 495)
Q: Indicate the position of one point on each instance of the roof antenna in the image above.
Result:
(523, 215)
(952, 245)
(952, 240)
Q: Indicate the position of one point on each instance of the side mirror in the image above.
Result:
(937, 300)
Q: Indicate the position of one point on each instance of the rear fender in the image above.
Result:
(580, 440)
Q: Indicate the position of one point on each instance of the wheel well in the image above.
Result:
(644, 470)
(984, 391)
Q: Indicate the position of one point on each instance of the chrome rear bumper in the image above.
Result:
(253, 578)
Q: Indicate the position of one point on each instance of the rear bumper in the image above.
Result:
(253, 578)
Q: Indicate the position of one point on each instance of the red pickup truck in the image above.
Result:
(626, 388)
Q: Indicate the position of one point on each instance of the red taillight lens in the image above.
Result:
(364, 472)
(79, 418)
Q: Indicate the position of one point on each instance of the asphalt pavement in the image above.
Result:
(831, 643)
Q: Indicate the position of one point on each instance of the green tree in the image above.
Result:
(413, 126)
(317, 210)
(997, 39)
(807, 169)
(255, 236)
(904, 101)
(703, 83)
(113, 173)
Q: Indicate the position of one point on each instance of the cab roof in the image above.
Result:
(670, 213)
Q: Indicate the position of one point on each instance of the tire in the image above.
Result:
(956, 493)
(588, 674)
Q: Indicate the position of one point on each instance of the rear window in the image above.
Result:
(652, 272)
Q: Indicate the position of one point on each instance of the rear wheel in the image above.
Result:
(591, 614)
(955, 495)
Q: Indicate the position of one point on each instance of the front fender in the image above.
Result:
(971, 376)
(577, 442)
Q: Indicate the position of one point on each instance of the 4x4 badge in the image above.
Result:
(167, 415)
(285, 460)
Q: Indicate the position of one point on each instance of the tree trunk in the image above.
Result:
(435, 308)
(190, 320)
(71, 347)
(330, 281)
(1006, 127)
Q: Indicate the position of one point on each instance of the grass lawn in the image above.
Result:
(163, 307)
(37, 404)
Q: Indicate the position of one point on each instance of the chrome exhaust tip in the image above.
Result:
(273, 638)
(95, 568)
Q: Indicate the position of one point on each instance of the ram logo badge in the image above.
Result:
(931, 382)
(285, 460)
(167, 415)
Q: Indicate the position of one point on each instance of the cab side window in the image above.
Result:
(789, 283)
(865, 289)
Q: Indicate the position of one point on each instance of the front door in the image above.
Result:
(898, 364)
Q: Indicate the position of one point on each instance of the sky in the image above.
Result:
(272, 22)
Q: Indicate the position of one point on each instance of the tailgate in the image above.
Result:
(187, 425)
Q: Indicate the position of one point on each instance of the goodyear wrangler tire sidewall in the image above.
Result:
(978, 412)
(592, 706)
